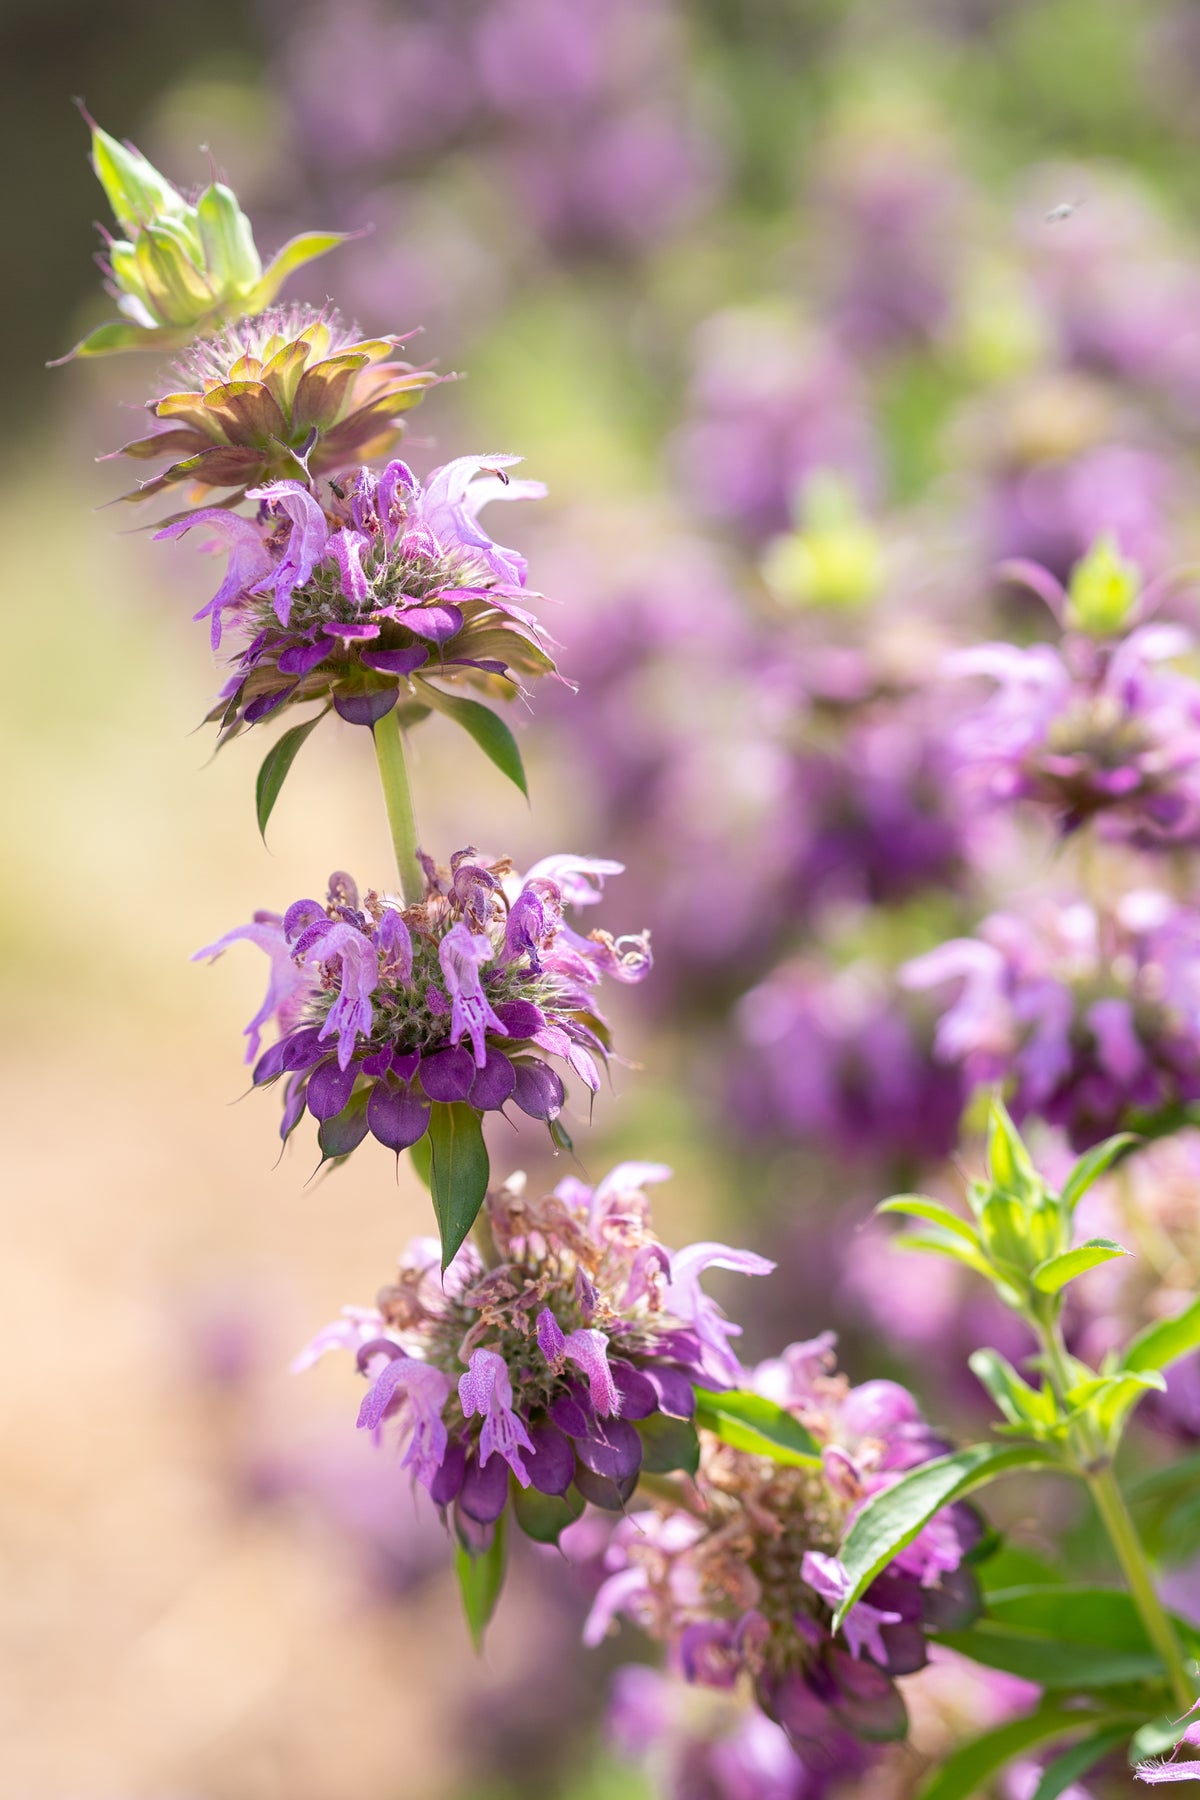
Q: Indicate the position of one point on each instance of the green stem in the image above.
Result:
(1123, 1535)
(397, 797)
(1096, 1469)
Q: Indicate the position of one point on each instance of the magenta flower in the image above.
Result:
(382, 1011)
(1092, 1018)
(385, 581)
(558, 1363)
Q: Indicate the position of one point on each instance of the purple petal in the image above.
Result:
(271, 1063)
(448, 1075)
(538, 1090)
(448, 1481)
(618, 1454)
(572, 1413)
(638, 1396)
(521, 1018)
(329, 1089)
(304, 1048)
(602, 1490)
(395, 662)
(676, 1396)
(552, 1465)
(361, 630)
(266, 703)
(365, 709)
(485, 1489)
(300, 658)
(493, 1083)
(397, 1116)
(343, 1133)
(438, 623)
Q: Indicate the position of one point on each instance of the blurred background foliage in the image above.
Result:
(657, 249)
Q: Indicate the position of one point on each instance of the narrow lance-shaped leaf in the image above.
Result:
(1091, 1166)
(750, 1422)
(486, 727)
(1020, 1403)
(276, 765)
(891, 1519)
(294, 254)
(458, 1171)
(969, 1771)
(1051, 1276)
(480, 1579)
(1160, 1345)
(1066, 1769)
(918, 1206)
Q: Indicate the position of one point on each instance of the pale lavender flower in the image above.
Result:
(1092, 1018)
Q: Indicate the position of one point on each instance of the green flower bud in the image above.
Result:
(233, 262)
(1102, 590)
(135, 190)
(834, 559)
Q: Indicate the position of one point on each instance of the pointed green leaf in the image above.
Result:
(750, 1422)
(1091, 1166)
(1067, 1769)
(939, 1243)
(119, 334)
(276, 765)
(891, 1519)
(1160, 1345)
(295, 253)
(917, 1206)
(1020, 1403)
(422, 1158)
(1007, 1158)
(544, 1517)
(480, 1579)
(969, 1771)
(668, 1444)
(486, 727)
(458, 1171)
(1051, 1276)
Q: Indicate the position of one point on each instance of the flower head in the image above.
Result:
(383, 1010)
(287, 394)
(561, 1363)
(745, 1582)
(1091, 1017)
(362, 598)
(1096, 729)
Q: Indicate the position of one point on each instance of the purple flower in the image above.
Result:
(435, 1004)
(383, 583)
(1092, 1017)
(745, 1581)
(551, 1361)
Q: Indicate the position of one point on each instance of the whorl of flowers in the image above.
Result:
(1096, 728)
(351, 598)
(742, 1579)
(1091, 1018)
(383, 1009)
(554, 1369)
(290, 393)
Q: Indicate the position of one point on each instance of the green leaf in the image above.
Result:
(892, 1518)
(1091, 1166)
(1021, 1404)
(1049, 1661)
(543, 1517)
(917, 1206)
(486, 727)
(1160, 1345)
(1066, 1769)
(1007, 1158)
(749, 1422)
(422, 1159)
(1156, 1738)
(294, 254)
(943, 1244)
(1051, 1276)
(458, 1171)
(480, 1579)
(668, 1444)
(968, 1772)
(343, 1133)
(275, 767)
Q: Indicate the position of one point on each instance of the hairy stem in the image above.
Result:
(397, 797)
(1123, 1535)
(1096, 1469)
